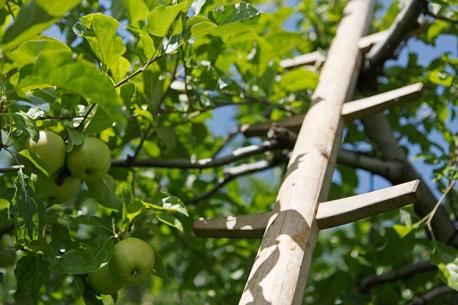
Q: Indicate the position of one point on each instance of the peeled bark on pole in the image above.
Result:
(280, 271)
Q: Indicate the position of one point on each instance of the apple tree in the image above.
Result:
(123, 121)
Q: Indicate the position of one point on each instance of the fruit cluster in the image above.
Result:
(133, 259)
(89, 162)
(131, 263)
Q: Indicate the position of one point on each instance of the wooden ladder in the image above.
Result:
(289, 232)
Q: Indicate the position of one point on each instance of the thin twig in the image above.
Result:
(236, 172)
(140, 145)
(430, 215)
(139, 70)
(227, 140)
(440, 17)
(10, 10)
(47, 117)
(11, 169)
(151, 125)
(85, 116)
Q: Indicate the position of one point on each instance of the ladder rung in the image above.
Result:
(330, 213)
(311, 58)
(351, 110)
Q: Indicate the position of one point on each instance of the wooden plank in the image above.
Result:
(279, 273)
(330, 213)
(377, 103)
(311, 58)
(351, 110)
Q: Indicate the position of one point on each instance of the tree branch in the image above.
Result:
(379, 131)
(404, 22)
(369, 282)
(139, 70)
(236, 155)
(11, 169)
(228, 139)
(390, 170)
(431, 295)
(86, 115)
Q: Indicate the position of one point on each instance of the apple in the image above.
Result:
(51, 191)
(132, 261)
(102, 281)
(50, 149)
(103, 190)
(90, 160)
(7, 257)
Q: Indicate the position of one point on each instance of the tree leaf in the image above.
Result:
(299, 79)
(137, 11)
(99, 122)
(29, 51)
(446, 258)
(103, 190)
(31, 272)
(77, 76)
(234, 18)
(28, 209)
(100, 32)
(231, 13)
(85, 259)
(162, 17)
(33, 18)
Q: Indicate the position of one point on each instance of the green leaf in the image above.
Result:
(299, 79)
(36, 161)
(161, 19)
(167, 135)
(234, 18)
(75, 138)
(137, 11)
(172, 222)
(159, 267)
(33, 18)
(103, 190)
(441, 78)
(31, 272)
(99, 122)
(202, 28)
(174, 204)
(85, 259)
(446, 258)
(78, 76)
(28, 209)
(403, 231)
(100, 32)
(231, 13)
(29, 51)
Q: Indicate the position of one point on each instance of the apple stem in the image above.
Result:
(135, 272)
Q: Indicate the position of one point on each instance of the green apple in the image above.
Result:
(53, 192)
(132, 261)
(102, 281)
(50, 149)
(7, 257)
(90, 160)
(103, 190)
